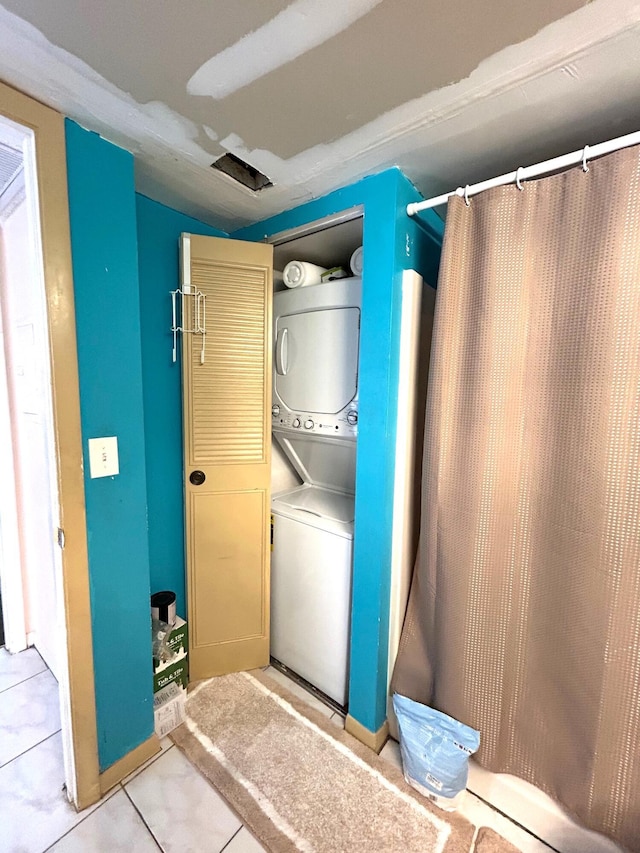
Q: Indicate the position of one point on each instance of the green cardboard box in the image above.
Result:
(174, 671)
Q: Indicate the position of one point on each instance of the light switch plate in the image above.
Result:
(103, 457)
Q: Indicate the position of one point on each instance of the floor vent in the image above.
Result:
(242, 172)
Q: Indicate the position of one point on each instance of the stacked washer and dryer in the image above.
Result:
(314, 421)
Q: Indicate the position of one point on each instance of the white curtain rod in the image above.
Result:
(523, 173)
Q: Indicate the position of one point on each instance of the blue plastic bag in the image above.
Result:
(435, 749)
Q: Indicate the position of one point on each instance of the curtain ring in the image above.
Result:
(466, 195)
(585, 151)
(518, 181)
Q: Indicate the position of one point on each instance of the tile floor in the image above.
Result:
(165, 805)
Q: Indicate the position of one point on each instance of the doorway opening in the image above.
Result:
(31, 585)
(39, 133)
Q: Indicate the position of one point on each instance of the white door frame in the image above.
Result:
(11, 580)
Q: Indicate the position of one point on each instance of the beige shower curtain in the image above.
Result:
(524, 615)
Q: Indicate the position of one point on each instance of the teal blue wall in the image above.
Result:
(105, 271)
(125, 262)
(159, 229)
(392, 243)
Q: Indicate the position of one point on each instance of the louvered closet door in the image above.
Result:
(227, 437)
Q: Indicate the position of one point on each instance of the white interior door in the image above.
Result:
(13, 611)
(30, 430)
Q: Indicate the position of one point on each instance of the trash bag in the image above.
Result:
(435, 751)
(160, 632)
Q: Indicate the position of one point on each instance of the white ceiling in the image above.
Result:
(318, 94)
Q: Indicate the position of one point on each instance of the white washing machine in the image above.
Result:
(311, 563)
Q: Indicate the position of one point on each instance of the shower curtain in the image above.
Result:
(524, 614)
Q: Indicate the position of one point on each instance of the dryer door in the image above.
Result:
(316, 359)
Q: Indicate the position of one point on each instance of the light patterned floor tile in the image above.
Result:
(29, 713)
(18, 667)
(529, 807)
(34, 811)
(116, 826)
(165, 744)
(180, 807)
(244, 842)
(481, 814)
(299, 691)
(391, 753)
(337, 720)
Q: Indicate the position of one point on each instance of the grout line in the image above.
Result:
(89, 814)
(29, 748)
(141, 816)
(232, 837)
(514, 822)
(22, 681)
(135, 773)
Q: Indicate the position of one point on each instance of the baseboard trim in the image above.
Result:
(128, 763)
(374, 740)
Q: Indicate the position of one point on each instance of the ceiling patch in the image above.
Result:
(483, 125)
(303, 25)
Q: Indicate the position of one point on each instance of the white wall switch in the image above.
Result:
(103, 457)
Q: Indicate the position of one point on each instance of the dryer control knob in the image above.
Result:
(296, 423)
(308, 424)
(352, 417)
(275, 411)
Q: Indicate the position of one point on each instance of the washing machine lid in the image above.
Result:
(323, 508)
(320, 460)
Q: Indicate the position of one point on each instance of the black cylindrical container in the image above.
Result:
(163, 606)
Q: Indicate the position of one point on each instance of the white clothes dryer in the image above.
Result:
(316, 331)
